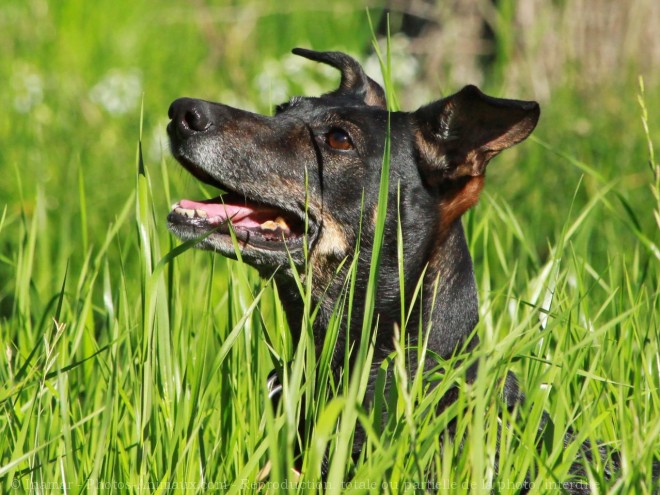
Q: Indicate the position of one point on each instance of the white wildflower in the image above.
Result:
(28, 89)
(119, 91)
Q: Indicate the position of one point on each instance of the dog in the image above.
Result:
(303, 186)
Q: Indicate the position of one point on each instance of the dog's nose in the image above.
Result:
(189, 117)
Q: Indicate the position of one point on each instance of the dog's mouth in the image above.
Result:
(255, 224)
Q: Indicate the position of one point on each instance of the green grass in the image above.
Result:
(131, 364)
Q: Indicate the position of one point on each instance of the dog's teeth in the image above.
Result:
(282, 223)
(201, 213)
(269, 225)
(185, 212)
(278, 223)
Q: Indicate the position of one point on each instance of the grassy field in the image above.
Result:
(126, 368)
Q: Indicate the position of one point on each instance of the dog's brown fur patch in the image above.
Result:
(458, 202)
(331, 246)
(332, 241)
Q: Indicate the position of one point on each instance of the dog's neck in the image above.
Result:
(456, 310)
(450, 319)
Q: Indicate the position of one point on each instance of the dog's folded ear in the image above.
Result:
(458, 135)
(354, 81)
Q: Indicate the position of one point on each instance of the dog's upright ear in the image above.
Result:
(354, 81)
(458, 135)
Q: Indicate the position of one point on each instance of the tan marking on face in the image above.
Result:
(330, 249)
(332, 241)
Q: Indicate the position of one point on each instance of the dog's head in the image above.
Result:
(311, 172)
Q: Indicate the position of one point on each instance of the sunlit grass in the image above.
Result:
(127, 367)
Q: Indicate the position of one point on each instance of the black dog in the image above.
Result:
(311, 173)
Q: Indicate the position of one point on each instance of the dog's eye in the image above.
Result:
(339, 140)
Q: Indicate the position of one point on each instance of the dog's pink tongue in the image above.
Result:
(243, 215)
(217, 209)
